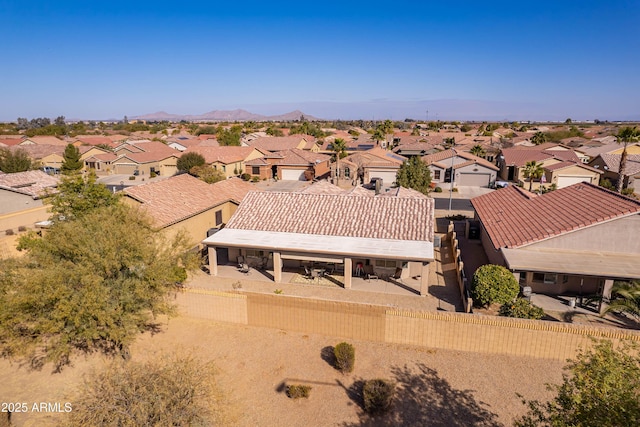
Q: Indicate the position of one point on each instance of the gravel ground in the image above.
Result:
(435, 387)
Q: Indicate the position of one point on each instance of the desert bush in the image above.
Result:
(297, 391)
(455, 189)
(9, 232)
(493, 284)
(345, 355)
(521, 309)
(378, 395)
(22, 228)
(153, 174)
(132, 178)
(245, 176)
(438, 190)
(171, 391)
(255, 179)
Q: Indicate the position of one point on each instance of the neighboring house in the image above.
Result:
(230, 160)
(609, 165)
(293, 228)
(564, 174)
(43, 140)
(93, 140)
(466, 169)
(573, 241)
(143, 158)
(21, 195)
(50, 156)
(290, 165)
(10, 140)
(280, 143)
(512, 161)
(415, 149)
(182, 143)
(186, 203)
(376, 162)
(610, 148)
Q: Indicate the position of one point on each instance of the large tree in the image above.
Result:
(625, 136)
(72, 162)
(415, 174)
(89, 284)
(77, 195)
(601, 389)
(12, 161)
(189, 160)
(539, 138)
(338, 146)
(532, 170)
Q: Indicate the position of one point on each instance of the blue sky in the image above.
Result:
(464, 60)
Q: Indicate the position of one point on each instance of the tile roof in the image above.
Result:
(322, 187)
(94, 140)
(562, 165)
(47, 140)
(10, 141)
(300, 157)
(439, 159)
(376, 157)
(513, 217)
(519, 156)
(31, 183)
(180, 197)
(336, 215)
(145, 152)
(279, 143)
(612, 161)
(39, 151)
(224, 154)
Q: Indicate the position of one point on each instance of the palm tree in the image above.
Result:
(532, 170)
(338, 146)
(625, 136)
(538, 138)
(477, 150)
(626, 299)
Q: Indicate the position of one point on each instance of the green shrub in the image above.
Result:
(22, 228)
(132, 178)
(153, 174)
(255, 179)
(245, 176)
(378, 395)
(493, 284)
(455, 189)
(9, 232)
(438, 190)
(345, 355)
(296, 391)
(521, 309)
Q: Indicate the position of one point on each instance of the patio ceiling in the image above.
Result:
(600, 264)
(408, 250)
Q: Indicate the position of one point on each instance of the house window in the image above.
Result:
(347, 172)
(254, 253)
(219, 217)
(255, 170)
(546, 278)
(490, 158)
(387, 263)
(224, 168)
(436, 174)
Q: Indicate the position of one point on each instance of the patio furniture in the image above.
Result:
(240, 261)
(369, 273)
(316, 274)
(263, 263)
(244, 268)
(307, 273)
(359, 269)
(397, 275)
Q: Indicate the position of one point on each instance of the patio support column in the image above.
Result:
(277, 267)
(606, 294)
(528, 276)
(347, 273)
(516, 274)
(424, 279)
(213, 260)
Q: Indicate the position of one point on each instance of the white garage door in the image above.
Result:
(567, 180)
(473, 180)
(388, 177)
(293, 174)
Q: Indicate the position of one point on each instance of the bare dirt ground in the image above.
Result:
(435, 387)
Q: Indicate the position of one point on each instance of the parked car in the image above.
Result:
(500, 184)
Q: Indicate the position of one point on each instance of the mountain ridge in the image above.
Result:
(237, 115)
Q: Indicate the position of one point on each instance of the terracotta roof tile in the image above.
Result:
(177, 198)
(513, 217)
(31, 183)
(336, 215)
(224, 154)
(612, 161)
(300, 157)
(279, 143)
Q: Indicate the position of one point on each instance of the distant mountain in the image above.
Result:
(224, 115)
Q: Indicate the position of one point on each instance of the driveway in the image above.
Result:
(282, 186)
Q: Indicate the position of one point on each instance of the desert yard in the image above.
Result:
(435, 387)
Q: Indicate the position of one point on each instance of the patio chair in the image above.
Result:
(240, 261)
(397, 275)
(369, 273)
(307, 273)
(244, 268)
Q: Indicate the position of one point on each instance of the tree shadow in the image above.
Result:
(327, 354)
(425, 399)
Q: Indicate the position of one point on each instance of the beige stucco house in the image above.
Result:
(573, 241)
(229, 160)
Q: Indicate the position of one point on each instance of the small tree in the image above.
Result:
(12, 161)
(538, 138)
(207, 174)
(378, 395)
(338, 146)
(189, 160)
(71, 162)
(625, 136)
(601, 389)
(532, 170)
(345, 355)
(172, 391)
(493, 284)
(77, 195)
(415, 174)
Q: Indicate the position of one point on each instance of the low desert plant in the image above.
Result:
(378, 395)
(255, 179)
(296, 391)
(278, 292)
(9, 232)
(455, 189)
(438, 190)
(345, 355)
(245, 176)
(132, 178)
(22, 228)
(494, 284)
(521, 309)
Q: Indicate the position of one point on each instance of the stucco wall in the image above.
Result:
(620, 235)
